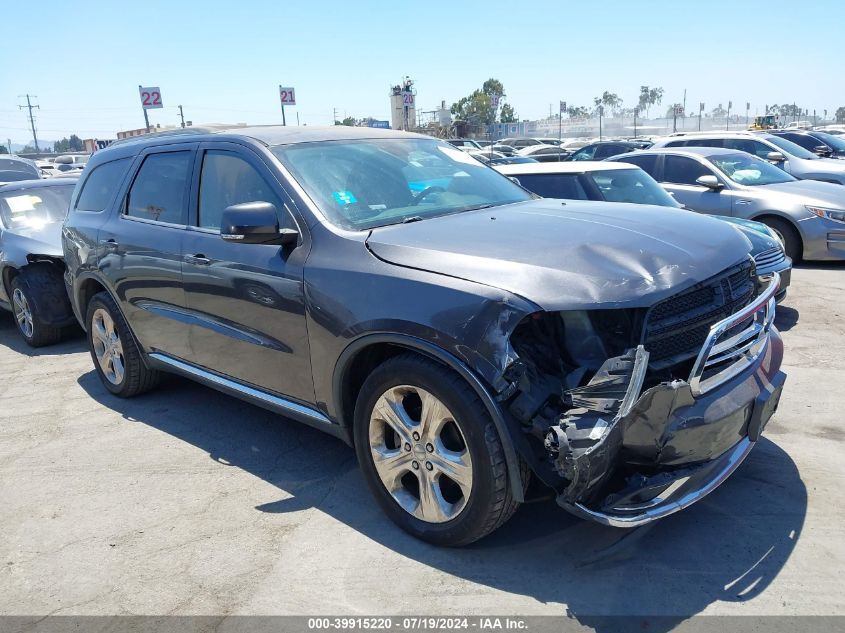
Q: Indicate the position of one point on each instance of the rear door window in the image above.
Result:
(160, 190)
(646, 162)
(564, 186)
(761, 150)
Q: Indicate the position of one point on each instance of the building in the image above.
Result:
(403, 108)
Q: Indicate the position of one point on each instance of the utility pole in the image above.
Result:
(29, 106)
(182, 116)
(684, 120)
(334, 116)
(9, 144)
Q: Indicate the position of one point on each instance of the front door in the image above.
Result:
(246, 300)
(679, 178)
(141, 248)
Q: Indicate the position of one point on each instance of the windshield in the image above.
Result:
(33, 208)
(746, 169)
(791, 148)
(631, 185)
(374, 182)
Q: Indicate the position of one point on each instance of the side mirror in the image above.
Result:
(775, 157)
(823, 150)
(254, 223)
(514, 179)
(711, 182)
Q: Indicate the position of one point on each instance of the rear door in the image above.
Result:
(678, 178)
(246, 300)
(141, 247)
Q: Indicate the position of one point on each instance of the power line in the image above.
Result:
(31, 119)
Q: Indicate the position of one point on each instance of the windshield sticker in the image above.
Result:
(22, 204)
(344, 197)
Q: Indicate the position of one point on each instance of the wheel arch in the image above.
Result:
(762, 215)
(88, 286)
(367, 352)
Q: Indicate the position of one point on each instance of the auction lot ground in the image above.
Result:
(186, 501)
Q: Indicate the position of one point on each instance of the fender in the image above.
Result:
(436, 353)
(80, 316)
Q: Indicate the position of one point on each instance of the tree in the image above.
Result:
(477, 108)
(840, 115)
(28, 149)
(579, 112)
(507, 115)
(649, 97)
(718, 111)
(609, 100)
(3, 149)
(72, 144)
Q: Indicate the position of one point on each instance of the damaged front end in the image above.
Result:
(638, 413)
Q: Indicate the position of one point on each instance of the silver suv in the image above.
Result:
(790, 157)
(808, 215)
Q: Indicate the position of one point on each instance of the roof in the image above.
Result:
(280, 134)
(692, 150)
(37, 184)
(565, 167)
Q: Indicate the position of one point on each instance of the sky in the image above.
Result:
(224, 61)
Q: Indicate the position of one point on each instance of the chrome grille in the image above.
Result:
(676, 328)
(771, 257)
(734, 343)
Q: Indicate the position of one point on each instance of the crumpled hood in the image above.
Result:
(571, 255)
(45, 240)
(813, 192)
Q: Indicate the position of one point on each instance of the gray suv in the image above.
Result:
(464, 335)
(790, 157)
(808, 215)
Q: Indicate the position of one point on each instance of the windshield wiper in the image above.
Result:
(413, 218)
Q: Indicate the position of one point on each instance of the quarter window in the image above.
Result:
(160, 190)
(681, 170)
(100, 186)
(228, 179)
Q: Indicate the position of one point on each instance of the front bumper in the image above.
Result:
(680, 440)
(824, 239)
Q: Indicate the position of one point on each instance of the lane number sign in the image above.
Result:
(150, 97)
(287, 96)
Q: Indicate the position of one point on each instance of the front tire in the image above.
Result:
(116, 355)
(33, 288)
(792, 244)
(430, 453)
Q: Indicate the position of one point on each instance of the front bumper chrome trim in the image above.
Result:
(674, 498)
(738, 352)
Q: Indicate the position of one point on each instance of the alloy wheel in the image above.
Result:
(107, 347)
(420, 454)
(23, 313)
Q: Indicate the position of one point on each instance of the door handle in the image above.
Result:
(110, 244)
(198, 260)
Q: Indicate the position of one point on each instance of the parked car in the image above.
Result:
(71, 162)
(465, 144)
(819, 143)
(31, 262)
(15, 169)
(625, 183)
(808, 215)
(519, 143)
(507, 150)
(604, 149)
(461, 333)
(798, 125)
(790, 157)
(545, 153)
(512, 160)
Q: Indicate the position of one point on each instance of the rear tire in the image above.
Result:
(409, 469)
(116, 355)
(33, 289)
(792, 243)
